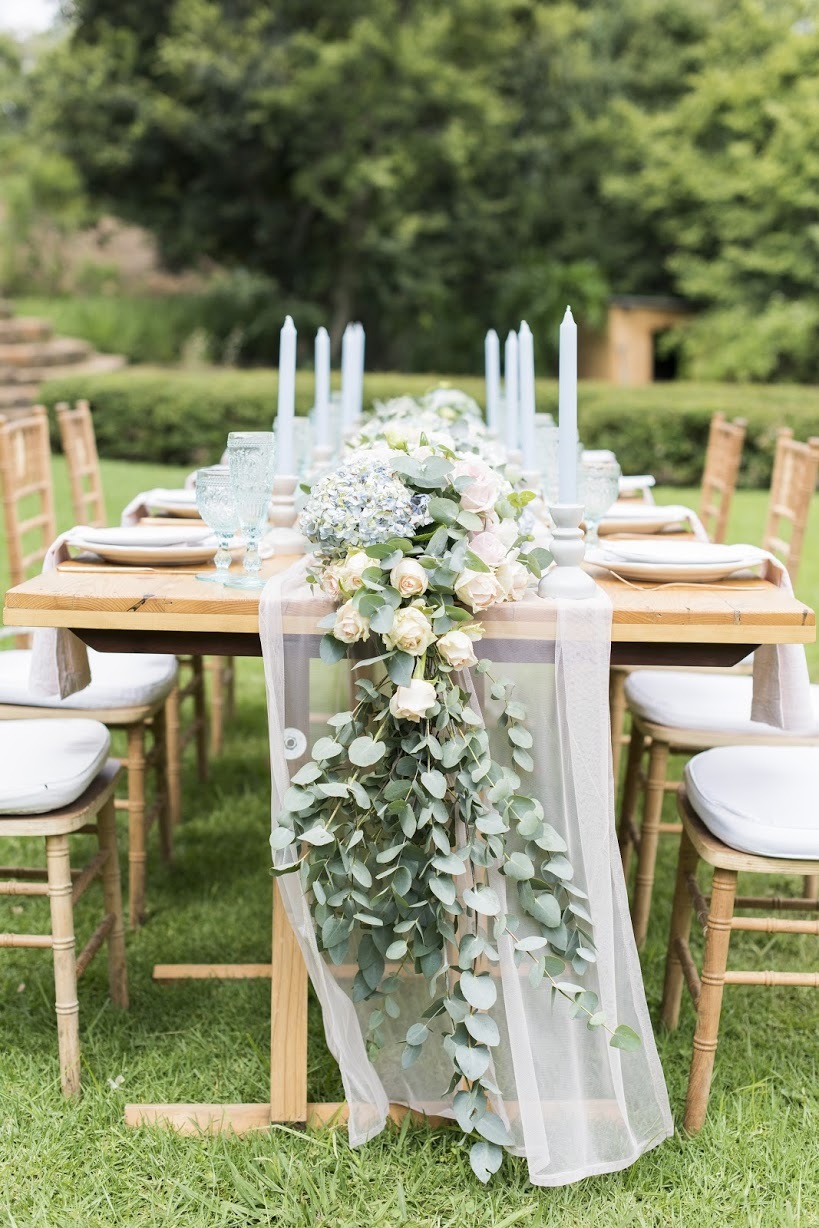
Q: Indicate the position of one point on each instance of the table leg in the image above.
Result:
(288, 1021)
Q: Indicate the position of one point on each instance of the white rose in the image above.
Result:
(411, 703)
(329, 581)
(513, 578)
(488, 547)
(507, 531)
(350, 626)
(411, 631)
(478, 589)
(456, 649)
(351, 570)
(483, 491)
(409, 578)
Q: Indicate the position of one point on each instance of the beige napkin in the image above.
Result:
(59, 660)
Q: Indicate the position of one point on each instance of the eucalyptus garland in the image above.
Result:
(402, 816)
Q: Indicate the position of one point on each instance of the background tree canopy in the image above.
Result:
(436, 168)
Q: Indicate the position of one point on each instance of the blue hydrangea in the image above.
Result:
(360, 504)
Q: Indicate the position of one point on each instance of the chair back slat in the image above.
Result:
(792, 486)
(25, 474)
(80, 447)
(719, 479)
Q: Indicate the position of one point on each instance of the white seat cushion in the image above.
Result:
(715, 703)
(48, 763)
(118, 680)
(759, 799)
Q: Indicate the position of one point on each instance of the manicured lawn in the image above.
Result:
(76, 1165)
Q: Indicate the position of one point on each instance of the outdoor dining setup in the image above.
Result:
(482, 645)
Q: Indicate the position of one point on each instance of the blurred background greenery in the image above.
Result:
(175, 175)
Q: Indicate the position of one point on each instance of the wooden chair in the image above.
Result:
(91, 812)
(794, 480)
(79, 444)
(25, 478)
(716, 913)
(719, 478)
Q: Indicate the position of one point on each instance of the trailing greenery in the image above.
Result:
(183, 416)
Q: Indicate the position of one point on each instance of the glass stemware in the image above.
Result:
(250, 457)
(217, 507)
(599, 486)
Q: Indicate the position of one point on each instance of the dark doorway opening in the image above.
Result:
(665, 358)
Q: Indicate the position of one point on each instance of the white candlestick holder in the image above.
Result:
(284, 538)
(567, 578)
(322, 456)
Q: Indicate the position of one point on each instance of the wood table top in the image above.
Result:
(739, 611)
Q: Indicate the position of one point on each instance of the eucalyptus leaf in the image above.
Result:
(479, 990)
(485, 1159)
(482, 1028)
(331, 650)
(434, 782)
(281, 837)
(473, 1060)
(625, 1038)
(318, 835)
(491, 1127)
(484, 900)
(365, 751)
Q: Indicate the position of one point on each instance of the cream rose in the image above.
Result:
(411, 631)
(409, 578)
(507, 530)
(456, 649)
(329, 581)
(351, 570)
(350, 626)
(478, 589)
(483, 491)
(411, 703)
(488, 547)
(513, 578)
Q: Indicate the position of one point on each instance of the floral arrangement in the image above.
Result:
(407, 832)
(446, 418)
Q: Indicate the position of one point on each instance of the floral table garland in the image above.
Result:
(402, 810)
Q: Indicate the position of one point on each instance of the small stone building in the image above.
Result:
(629, 349)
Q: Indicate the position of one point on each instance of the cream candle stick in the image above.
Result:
(510, 387)
(347, 379)
(359, 369)
(322, 388)
(526, 359)
(567, 409)
(492, 368)
(285, 453)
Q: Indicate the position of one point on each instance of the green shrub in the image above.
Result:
(183, 417)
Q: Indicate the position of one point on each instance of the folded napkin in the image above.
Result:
(141, 504)
(59, 660)
(781, 694)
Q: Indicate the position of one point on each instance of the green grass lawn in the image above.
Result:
(77, 1165)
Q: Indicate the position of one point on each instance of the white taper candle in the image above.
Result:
(285, 455)
(491, 351)
(526, 359)
(347, 378)
(322, 388)
(510, 388)
(567, 410)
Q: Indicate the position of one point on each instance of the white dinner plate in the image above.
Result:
(673, 561)
(638, 517)
(148, 546)
(180, 502)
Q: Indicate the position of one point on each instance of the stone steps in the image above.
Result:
(93, 365)
(23, 329)
(57, 352)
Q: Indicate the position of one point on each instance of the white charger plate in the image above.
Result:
(674, 561)
(148, 546)
(637, 517)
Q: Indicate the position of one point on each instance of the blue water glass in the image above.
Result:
(217, 507)
(251, 462)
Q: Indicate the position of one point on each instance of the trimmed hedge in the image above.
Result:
(182, 417)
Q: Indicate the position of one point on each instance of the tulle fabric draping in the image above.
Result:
(575, 1106)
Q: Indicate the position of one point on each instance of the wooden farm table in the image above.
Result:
(165, 610)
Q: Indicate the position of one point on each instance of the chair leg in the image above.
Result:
(680, 930)
(812, 886)
(628, 809)
(230, 671)
(65, 965)
(718, 938)
(162, 792)
(173, 757)
(112, 896)
(200, 708)
(617, 713)
(217, 669)
(649, 839)
(136, 825)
